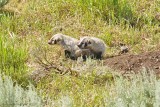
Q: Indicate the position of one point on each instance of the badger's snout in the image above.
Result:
(49, 42)
(52, 42)
(82, 45)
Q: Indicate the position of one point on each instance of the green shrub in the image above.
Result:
(142, 90)
(12, 95)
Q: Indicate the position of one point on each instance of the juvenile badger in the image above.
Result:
(95, 45)
(69, 45)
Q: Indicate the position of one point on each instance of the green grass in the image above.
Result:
(13, 57)
(26, 26)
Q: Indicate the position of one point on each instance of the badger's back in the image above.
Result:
(70, 44)
(99, 45)
(70, 40)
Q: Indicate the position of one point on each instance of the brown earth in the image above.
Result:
(127, 62)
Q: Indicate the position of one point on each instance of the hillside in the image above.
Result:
(29, 65)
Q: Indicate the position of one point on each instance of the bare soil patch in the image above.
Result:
(127, 62)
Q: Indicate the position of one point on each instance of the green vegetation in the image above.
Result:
(141, 90)
(13, 56)
(92, 90)
(3, 2)
(26, 26)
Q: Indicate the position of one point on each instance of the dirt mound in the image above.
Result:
(126, 62)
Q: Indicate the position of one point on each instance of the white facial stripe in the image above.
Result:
(79, 43)
(81, 40)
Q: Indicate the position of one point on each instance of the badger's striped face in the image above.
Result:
(85, 43)
(55, 39)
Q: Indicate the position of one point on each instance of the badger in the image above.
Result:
(95, 45)
(70, 47)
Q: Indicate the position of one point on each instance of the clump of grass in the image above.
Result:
(13, 56)
(12, 94)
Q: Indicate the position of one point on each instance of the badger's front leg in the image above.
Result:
(67, 53)
(96, 55)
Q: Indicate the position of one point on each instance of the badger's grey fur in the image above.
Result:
(85, 53)
(69, 45)
(95, 45)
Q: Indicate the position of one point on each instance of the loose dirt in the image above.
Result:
(127, 62)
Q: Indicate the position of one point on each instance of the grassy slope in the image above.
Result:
(34, 22)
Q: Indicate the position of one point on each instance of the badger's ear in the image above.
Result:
(89, 41)
(58, 39)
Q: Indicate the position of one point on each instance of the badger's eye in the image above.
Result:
(58, 40)
(89, 42)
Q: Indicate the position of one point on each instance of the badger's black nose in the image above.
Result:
(79, 46)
